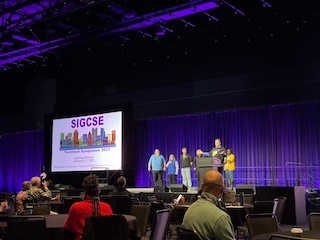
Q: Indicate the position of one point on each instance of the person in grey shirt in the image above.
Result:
(217, 152)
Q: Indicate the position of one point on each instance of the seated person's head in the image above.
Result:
(213, 183)
(3, 205)
(122, 182)
(35, 181)
(26, 185)
(91, 185)
(198, 152)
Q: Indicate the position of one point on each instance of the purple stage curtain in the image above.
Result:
(21, 157)
(274, 145)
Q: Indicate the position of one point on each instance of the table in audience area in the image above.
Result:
(305, 234)
(56, 206)
(178, 212)
(238, 213)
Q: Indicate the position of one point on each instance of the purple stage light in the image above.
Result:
(188, 11)
(24, 39)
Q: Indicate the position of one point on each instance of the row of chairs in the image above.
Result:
(29, 227)
(259, 223)
(115, 226)
(95, 226)
(119, 204)
(156, 216)
(144, 211)
(275, 208)
(111, 227)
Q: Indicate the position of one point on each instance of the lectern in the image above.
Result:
(205, 164)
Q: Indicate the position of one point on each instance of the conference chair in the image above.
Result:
(152, 198)
(123, 204)
(141, 212)
(186, 233)
(5, 196)
(154, 207)
(120, 204)
(279, 204)
(259, 223)
(258, 207)
(27, 201)
(106, 227)
(160, 224)
(67, 203)
(14, 204)
(38, 208)
(26, 227)
(263, 206)
(314, 220)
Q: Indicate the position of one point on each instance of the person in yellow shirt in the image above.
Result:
(229, 167)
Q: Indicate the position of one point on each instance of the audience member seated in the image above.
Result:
(88, 207)
(206, 216)
(39, 191)
(22, 195)
(121, 187)
(4, 207)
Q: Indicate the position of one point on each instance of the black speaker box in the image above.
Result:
(178, 188)
(161, 189)
(245, 188)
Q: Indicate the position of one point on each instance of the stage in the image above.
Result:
(151, 190)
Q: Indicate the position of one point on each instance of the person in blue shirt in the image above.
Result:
(173, 168)
(157, 164)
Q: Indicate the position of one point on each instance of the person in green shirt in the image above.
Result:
(206, 216)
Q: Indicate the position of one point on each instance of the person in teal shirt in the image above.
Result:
(157, 164)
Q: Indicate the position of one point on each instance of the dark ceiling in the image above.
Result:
(84, 38)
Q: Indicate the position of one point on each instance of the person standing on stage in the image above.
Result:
(157, 163)
(186, 163)
(218, 152)
(173, 168)
(229, 167)
(195, 162)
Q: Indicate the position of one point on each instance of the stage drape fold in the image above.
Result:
(21, 157)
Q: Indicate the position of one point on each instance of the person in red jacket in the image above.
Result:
(91, 205)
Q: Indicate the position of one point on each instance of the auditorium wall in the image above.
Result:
(273, 86)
